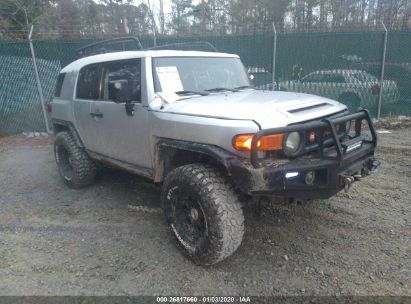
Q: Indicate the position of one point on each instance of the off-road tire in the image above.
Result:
(222, 211)
(75, 166)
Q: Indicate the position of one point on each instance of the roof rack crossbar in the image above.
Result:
(185, 45)
(96, 48)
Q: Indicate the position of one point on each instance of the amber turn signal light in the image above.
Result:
(266, 143)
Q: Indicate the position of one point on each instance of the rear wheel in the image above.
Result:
(203, 213)
(75, 166)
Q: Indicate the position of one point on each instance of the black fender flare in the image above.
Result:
(238, 169)
(70, 126)
(218, 154)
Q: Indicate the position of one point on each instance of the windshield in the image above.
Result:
(198, 74)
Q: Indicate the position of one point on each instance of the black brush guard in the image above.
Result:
(326, 123)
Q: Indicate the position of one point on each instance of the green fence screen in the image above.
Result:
(344, 66)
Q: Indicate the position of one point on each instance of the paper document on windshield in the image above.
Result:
(169, 79)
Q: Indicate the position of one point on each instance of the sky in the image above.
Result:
(155, 5)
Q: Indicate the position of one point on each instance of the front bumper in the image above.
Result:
(334, 168)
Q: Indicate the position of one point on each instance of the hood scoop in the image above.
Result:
(305, 109)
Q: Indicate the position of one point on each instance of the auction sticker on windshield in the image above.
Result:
(169, 79)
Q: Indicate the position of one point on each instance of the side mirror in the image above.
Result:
(119, 90)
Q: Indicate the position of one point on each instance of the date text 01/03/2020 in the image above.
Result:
(204, 299)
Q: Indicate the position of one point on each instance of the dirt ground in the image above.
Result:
(111, 238)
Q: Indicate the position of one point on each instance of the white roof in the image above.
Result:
(78, 64)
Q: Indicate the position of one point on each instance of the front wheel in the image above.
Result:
(203, 213)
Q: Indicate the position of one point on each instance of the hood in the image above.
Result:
(270, 109)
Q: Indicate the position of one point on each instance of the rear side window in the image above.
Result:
(59, 85)
(88, 82)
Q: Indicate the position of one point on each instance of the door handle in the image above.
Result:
(98, 115)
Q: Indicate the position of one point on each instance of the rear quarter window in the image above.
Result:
(59, 85)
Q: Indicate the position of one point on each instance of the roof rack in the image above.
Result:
(97, 48)
(187, 46)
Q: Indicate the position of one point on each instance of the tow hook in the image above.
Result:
(347, 182)
(357, 177)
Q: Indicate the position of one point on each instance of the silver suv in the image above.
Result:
(190, 121)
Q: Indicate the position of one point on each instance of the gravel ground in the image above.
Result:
(111, 238)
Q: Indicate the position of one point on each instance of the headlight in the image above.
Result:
(292, 143)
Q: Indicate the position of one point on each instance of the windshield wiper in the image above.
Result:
(191, 93)
(221, 89)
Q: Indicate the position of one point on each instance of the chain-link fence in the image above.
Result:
(344, 66)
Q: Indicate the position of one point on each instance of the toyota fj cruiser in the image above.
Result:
(190, 121)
